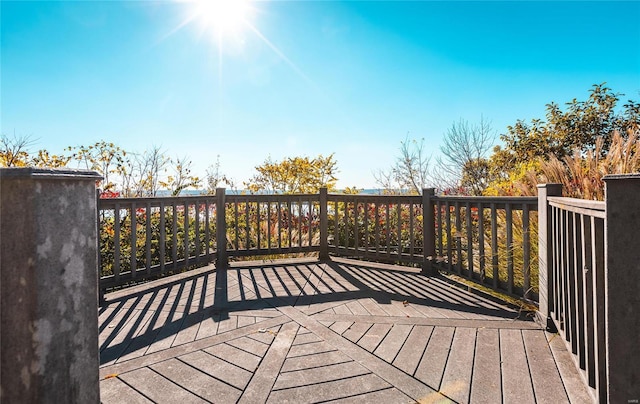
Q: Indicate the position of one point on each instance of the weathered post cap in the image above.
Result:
(37, 172)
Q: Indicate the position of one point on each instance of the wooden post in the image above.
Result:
(323, 255)
(545, 253)
(622, 280)
(48, 286)
(222, 261)
(428, 232)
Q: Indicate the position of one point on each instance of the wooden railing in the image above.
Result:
(381, 228)
(258, 225)
(483, 239)
(576, 271)
(589, 255)
(147, 237)
(488, 240)
(170, 234)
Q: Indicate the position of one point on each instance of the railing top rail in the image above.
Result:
(270, 197)
(529, 200)
(110, 202)
(582, 206)
(375, 198)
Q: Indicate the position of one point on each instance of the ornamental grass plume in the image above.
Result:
(581, 173)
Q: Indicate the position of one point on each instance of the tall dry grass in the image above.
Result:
(581, 173)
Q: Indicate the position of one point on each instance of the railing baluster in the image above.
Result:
(163, 238)
(299, 203)
(599, 304)
(526, 253)
(458, 239)
(174, 236)
(494, 247)
(366, 228)
(439, 219)
(310, 221)
(336, 233)
(289, 221)
(236, 227)
(197, 228)
(587, 295)
(450, 242)
(469, 241)
(387, 220)
(247, 224)
(147, 246)
(577, 276)
(258, 231)
(377, 229)
(509, 224)
(207, 231)
(571, 284)
(411, 232)
(134, 231)
(269, 226)
(186, 234)
(481, 257)
(116, 243)
(279, 224)
(399, 235)
(356, 211)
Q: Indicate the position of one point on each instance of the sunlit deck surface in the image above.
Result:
(303, 331)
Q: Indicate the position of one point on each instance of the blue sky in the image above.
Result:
(300, 77)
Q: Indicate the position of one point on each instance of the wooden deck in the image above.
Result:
(303, 331)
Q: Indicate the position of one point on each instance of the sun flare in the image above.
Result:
(221, 16)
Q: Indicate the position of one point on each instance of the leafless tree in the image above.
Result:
(143, 177)
(181, 177)
(462, 163)
(215, 177)
(411, 171)
(14, 150)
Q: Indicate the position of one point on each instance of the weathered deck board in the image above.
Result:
(409, 356)
(330, 390)
(486, 381)
(373, 337)
(196, 381)
(265, 377)
(547, 385)
(393, 341)
(114, 390)
(516, 379)
(246, 360)
(456, 381)
(327, 372)
(158, 388)
(434, 360)
(218, 368)
(308, 332)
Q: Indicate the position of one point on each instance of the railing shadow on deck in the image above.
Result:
(267, 288)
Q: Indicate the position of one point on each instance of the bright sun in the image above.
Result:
(221, 16)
